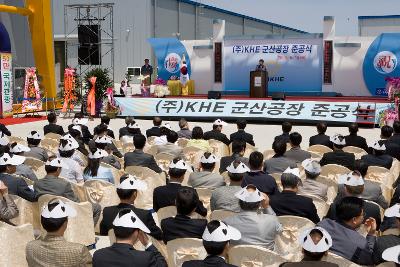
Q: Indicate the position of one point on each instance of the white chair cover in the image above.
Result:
(182, 142)
(386, 264)
(205, 196)
(342, 262)
(28, 212)
(254, 256)
(332, 187)
(184, 249)
(358, 152)
(115, 172)
(101, 192)
(166, 212)
(34, 163)
(319, 149)
(219, 149)
(18, 140)
(333, 171)
(380, 174)
(269, 153)
(221, 214)
(54, 136)
(321, 205)
(163, 160)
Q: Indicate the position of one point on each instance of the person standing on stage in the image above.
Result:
(261, 66)
(147, 69)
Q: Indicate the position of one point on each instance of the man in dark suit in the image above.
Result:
(127, 193)
(125, 130)
(289, 203)
(321, 138)
(4, 130)
(238, 149)
(286, 128)
(52, 127)
(155, 130)
(216, 133)
(241, 135)
(378, 156)
(79, 120)
(105, 120)
(354, 140)
(392, 149)
(338, 156)
(138, 157)
(128, 229)
(164, 196)
(395, 138)
(182, 226)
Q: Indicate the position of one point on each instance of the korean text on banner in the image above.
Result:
(6, 84)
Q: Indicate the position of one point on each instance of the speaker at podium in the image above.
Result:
(258, 84)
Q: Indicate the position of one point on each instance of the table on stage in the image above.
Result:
(175, 87)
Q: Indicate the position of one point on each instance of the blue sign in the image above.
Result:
(381, 61)
(169, 53)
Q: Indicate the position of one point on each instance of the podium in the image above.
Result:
(258, 84)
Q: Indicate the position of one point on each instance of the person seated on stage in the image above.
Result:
(36, 152)
(96, 171)
(165, 195)
(184, 131)
(8, 208)
(206, 178)
(71, 170)
(22, 169)
(261, 66)
(395, 138)
(256, 176)
(122, 88)
(105, 120)
(238, 150)
(321, 138)
(161, 140)
(81, 121)
(315, 243)
(155, 130)
(216, 133)
(256, 220)
(295, 153)
(338, 156)
(378, 156)
(355, 140)
(288, 202)
(52, 127)
(310, 186)
(127, 192)
(392, 149)
(57, 251)
(182, 225)
(216, 242)
(279, 162)
(198, 140)
(102, 139)
(241, 135)
(129, 120)
(111, 159)
(286, 128)
(138, 157)
(171, 147)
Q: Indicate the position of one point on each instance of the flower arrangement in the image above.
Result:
(160, 81)
(393, 90)
(111, 108)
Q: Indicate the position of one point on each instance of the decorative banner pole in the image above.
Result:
(69, 90)
(32, 101)
(91, 98)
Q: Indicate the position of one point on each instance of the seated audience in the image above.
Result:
(102, 139)
(81, 121)
(378, 156)
(238, 150)
(286, 128)
(8, 208)
(52, 249)
(315, 244)
(392, 148)
(355, 140)
(36, 152)
(165, 195)
(216, 132)
(133, 129)
(138, 157)
(338, 156)
(321, 138)
(198, 140)
(395, 138)
(4, 130)
(288, 202)
(206, 178)
(105, 121)
(223, 198)
(184, 131)
(257, 228)
(263, 181)
(155, 130)
(241, 135)
(22, 169)
(216, 241)
(126, 130)
(346, 241)
(295, 153)
(71, 169)
(4, 143)
(127, 192)
(129, 229)
(310, 186)
(75, 134)
(171, 147)
(182, 225)
(110, 159)
(161, 140)
(278, 163)
(52, 127)
(94, 170)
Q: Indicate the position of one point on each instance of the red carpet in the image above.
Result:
(10, 121)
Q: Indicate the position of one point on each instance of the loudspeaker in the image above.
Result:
(214, 95)
(278, 96)
(89, 55)
(89, 34)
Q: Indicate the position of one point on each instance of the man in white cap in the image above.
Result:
(22, 169)
(216, 132)
(392, 254)
(206, 178)
(128, 229)
(81, 121)
(165, 128)
(378, 156)
(257, 228)
(310, 186)
(216, 240)
(71, 169)
(36, 152)
(52, 249)
(315, 243)
(101, 135)
(338, 156)
(127, 192)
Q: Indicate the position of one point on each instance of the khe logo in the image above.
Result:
(172, 62)
(385, 62)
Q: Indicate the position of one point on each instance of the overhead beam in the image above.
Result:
(15, 10)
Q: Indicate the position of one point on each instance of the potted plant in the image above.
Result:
(103, 82)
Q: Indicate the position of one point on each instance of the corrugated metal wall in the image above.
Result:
(376, 26)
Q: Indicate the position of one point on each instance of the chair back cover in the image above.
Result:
(333, 171)
(28, 212)
(101, 192)
(185, 249)
(254, 256)
(319, 149)
(342, 262)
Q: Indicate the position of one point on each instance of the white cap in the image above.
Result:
(78, 128)
(241, 168)
(392, 254)
(18, 148)
(294, 171)
(338, 139)
(67, 137)
(353, 178)
(56, 162)
(311, 166)
(62, 210)
(103, 140)
(98, 154)
(222, 234)
(308, 244)
(166, 125)
(134, 126)
(82, 121)
(220, 122)
(393, 211)
(8, 159)
(132, 182)
(375, 145)
(211, 159)
(181, 164)
(249, 197)
(70, 145)
(35, 135)
(4, 139)
(130, 220)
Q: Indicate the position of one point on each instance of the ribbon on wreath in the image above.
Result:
(32, 100)
(91, 98)
(69, 88)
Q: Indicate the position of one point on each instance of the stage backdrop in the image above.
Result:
(294, 65)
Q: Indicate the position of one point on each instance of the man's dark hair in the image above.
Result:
(361, 166)
(172, 137)
(289, 180)
(123, 232)
(174, 172)
(125, 193)
(157, 121)
(129, 120)
(279, 147)
(182, 123)
(52, 224)
(286, 127)
(321, 127)
(249, 206)
(3, 168)
(379, 152)
(215, 127)
(314, 256)
(396, 127)
(164, 131)
(139, 141)
(353, 128)
(74, 133)
(50, 169)
(256, 160)
(102, 128)
(197, 133)
(241, 124)
(186, 200)
(348, 208)
(238, 146)
(105, 119)
(51, 117)
(207, 166)
(386, 131)
(295, 138)
(214, 248)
